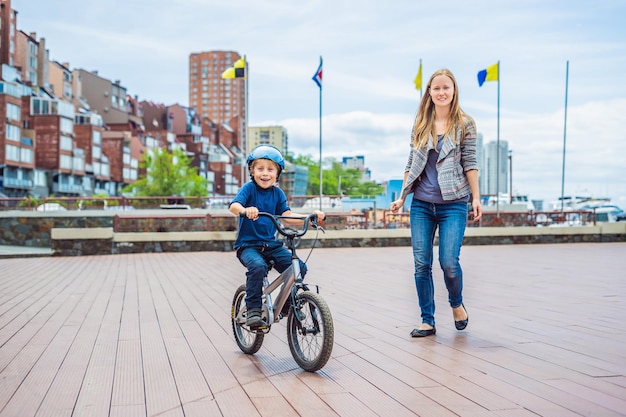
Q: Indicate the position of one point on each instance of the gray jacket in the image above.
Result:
(453, 162)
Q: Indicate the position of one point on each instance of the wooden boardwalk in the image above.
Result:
(150, 335)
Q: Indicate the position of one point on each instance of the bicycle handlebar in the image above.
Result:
(281, 229)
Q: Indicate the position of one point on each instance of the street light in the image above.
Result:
(510, 176)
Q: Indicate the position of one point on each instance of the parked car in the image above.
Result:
(50, 207)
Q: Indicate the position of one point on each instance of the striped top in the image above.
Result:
(454, 160)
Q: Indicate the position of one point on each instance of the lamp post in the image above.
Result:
(510, 177)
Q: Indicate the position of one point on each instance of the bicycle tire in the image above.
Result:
(311, 348)
(248, 341)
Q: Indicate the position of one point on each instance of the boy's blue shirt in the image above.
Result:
(271, 200)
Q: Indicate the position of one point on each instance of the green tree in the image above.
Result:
(335, 177)
(168, 174)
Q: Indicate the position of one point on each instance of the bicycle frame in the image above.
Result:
(287, 278)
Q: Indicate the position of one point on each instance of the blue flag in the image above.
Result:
(318, 75)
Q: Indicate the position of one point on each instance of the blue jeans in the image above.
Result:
(451, 219)
(256, 259)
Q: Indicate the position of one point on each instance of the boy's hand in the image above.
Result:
(251, 213)
(321, 216)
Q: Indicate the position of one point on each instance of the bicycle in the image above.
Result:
(310, 331)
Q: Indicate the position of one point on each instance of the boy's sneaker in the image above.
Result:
(254, 319)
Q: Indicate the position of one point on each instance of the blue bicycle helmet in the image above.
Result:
(267, 152)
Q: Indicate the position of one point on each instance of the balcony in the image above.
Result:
(21, 183)
(43, 106)
(88, 119)
(67, 188)
(14, 89)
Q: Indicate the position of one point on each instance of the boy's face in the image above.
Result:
(264, 172)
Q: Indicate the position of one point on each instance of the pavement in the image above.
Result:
(23, 252)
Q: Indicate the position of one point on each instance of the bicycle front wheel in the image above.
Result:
(311, 334)
(248, 341)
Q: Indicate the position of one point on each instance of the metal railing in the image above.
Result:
(380, 218)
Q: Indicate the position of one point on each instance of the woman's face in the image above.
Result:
(441, 90)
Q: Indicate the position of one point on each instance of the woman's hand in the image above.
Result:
(477, 210)
(396, 205)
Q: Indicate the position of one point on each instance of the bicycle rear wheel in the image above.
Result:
(248, 341)
(310, 338)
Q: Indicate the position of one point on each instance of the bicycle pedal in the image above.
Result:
(259, 326)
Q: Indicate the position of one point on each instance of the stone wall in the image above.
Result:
(34, 228)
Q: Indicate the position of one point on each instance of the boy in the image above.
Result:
(256, 242)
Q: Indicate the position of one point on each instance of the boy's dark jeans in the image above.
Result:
(255, 259)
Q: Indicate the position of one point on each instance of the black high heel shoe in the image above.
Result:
(462, 324)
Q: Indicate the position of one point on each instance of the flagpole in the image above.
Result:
(564, 136)
(421, 84)
(244, 135)
(498, 151)
(320, 143)
(245, 130)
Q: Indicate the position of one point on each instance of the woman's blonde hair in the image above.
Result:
(424, 124)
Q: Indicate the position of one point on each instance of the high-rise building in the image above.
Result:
(269, 135)
(496, 168)
(213, 97)
(221, 103)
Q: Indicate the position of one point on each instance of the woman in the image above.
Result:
(442, 174)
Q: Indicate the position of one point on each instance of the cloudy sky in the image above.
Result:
(371, 52)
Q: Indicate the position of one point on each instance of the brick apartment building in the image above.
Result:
(72, 132)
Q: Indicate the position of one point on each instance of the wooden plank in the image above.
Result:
(62, 395)
(160, 387)
(95, 394)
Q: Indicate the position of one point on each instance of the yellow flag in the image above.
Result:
(240, 63)
(238, 70)
(418, 78)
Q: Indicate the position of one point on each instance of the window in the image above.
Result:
(65, 162)
(66, 143)
(79, 164)
(12, 153)
(97, 137)
(67, 90)
(27, 155)
(13, 112)
(67, 126)
(13, 133)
